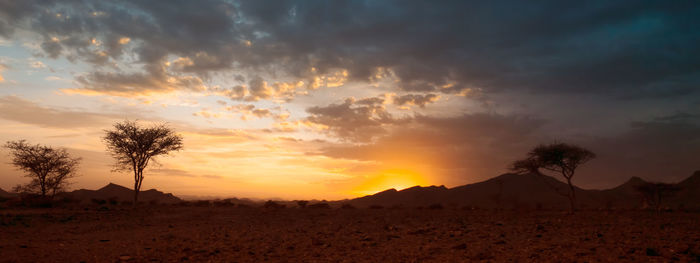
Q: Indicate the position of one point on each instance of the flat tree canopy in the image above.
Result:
(133, 147)
(560, 158)
(49, 168)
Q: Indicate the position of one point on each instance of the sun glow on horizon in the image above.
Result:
(398, 179)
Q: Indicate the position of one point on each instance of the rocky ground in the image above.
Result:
(233, 234)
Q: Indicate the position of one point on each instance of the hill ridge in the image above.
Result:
(528, 191)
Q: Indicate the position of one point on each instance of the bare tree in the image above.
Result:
(49, 168)
(655, 193)
(560, 158)
(134, 147)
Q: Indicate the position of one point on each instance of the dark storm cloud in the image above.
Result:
(626, 49)
(633, 48)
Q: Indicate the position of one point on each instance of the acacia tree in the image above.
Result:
(560, 158)
(49, 168)
(134, 147)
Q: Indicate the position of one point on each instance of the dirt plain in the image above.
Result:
(248, 234)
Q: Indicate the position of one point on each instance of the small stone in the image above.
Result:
(460, 246)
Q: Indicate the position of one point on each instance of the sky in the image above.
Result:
(339, 99)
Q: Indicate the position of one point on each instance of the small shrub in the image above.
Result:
(273, 205)
(302, 203)
(98, 201)
(223, 203)
(320, 206)
(202, 203)
(38, 201)
(347, 206)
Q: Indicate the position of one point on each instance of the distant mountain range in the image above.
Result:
(112, 192)
(507, 191)
(510, 191)
(121, 194)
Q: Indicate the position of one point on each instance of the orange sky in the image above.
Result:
(332, 99)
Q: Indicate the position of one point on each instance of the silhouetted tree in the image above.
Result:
(134, 147)
(49, 168)
(560, 158)
(655, 193)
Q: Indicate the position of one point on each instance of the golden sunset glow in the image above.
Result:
(395, 178)
(349, 131)
(277, 101)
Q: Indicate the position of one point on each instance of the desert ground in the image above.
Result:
(250, 234)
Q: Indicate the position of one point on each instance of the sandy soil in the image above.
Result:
(231, 234)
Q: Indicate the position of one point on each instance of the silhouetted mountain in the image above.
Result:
(122, 194)
(519, 191)
(416, 195)
(528, 191)
(622, 196)
(689, 194)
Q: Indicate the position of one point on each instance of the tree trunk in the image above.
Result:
(572, 195)
(136, 193)
(42, 183)
(137, 186)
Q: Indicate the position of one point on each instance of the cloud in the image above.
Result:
(2, 68)
(416, 99)
(36, 64)
(661, 149)
(153, 80)
(628, 49)
(234, 93)
(20, 110)
(354, 120)
(259, 89)
(261, 113)
(453, 150)
(207, 114)
(474, 147)
(248, 111)
(180, 173)
(465, 44)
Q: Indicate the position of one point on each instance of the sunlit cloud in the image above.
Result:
(368, 96)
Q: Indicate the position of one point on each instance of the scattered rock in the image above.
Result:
(460, 246)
